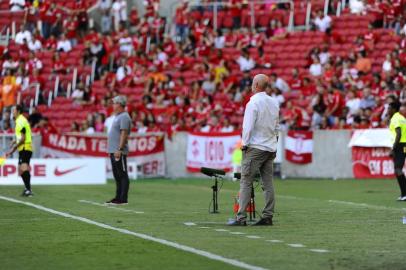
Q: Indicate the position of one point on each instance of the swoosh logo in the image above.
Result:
(58, 172)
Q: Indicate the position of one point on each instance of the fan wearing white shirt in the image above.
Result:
(22, 37)
(64, 44)
(322, 23)
(17, 5)
(34, 45)
(259, 143)
(245, 61)
(125, 42)
(387, 64)
(219, 39)
(316, 69)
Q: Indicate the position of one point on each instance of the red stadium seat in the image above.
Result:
(300, 18)
(263, 20)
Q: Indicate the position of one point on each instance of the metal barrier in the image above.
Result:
(216, 6)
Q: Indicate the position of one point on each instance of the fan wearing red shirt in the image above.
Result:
(36, 78)
(308, 88)
(181, 20)
(70, 25)
(58, 65)
(335, 103)
(199, 30)
(158, 25)
(231, 38)
(33, 63)
(48, 17)
(389, 13)
(293, 116)
(295, 82)
(235, 8)
(371, 38)
(243, 39)
(169, 46)
(257, 39)
(50, 43)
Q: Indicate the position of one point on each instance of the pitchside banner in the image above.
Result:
(299, 146)
(370, 154)
(71, 171)
(213, 150)
(146, 157)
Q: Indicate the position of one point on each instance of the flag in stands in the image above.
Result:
(299, 146)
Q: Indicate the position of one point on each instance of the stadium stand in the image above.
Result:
(340, 71)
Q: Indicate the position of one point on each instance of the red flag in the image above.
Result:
(299, 146)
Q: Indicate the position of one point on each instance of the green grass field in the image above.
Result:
(358, 223)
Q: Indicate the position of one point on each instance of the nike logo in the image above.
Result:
(58, 172)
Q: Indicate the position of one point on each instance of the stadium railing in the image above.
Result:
(215, 7)
(6, 139)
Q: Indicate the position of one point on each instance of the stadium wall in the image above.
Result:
(175, 156)
(331, 157)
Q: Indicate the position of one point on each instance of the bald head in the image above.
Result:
(260, 83)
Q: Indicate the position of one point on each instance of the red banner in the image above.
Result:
(146, 152)
(372, 162)
(299, 146)
(97, 146)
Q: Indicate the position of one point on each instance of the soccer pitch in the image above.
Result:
(319, 224)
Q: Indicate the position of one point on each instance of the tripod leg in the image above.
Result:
(253, 202)
(215, 197)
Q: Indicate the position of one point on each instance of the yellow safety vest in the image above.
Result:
(22, 123)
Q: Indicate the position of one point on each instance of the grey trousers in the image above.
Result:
(254, 160)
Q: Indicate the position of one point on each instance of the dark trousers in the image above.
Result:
(120, 174)
(399, 156)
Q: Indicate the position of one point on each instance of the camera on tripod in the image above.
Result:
(217, 174)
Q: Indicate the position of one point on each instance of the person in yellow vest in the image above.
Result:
(397, 127)
(22, 143)
(236, 158)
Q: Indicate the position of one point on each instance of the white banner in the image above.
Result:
(72, 171)
(380, 137)
(213, 150)
(146, 157)
(147, 166)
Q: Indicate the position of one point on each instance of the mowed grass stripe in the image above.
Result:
(344, 230)
(139, 235)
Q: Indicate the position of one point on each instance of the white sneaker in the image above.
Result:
(403, 199)
(27, 193)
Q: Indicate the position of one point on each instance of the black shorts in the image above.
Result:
(399, 155)
(24, 156)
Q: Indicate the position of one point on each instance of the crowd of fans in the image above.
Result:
(188, 82)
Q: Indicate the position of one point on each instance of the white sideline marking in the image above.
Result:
(377, 207)
(253, 237)
(274, 241)
(203, 253)
(111, 207)
(221, 230)
(189, 224)
(319, 250)
(208, 222)
(296, 245)
(237, 233)
(203, 227)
